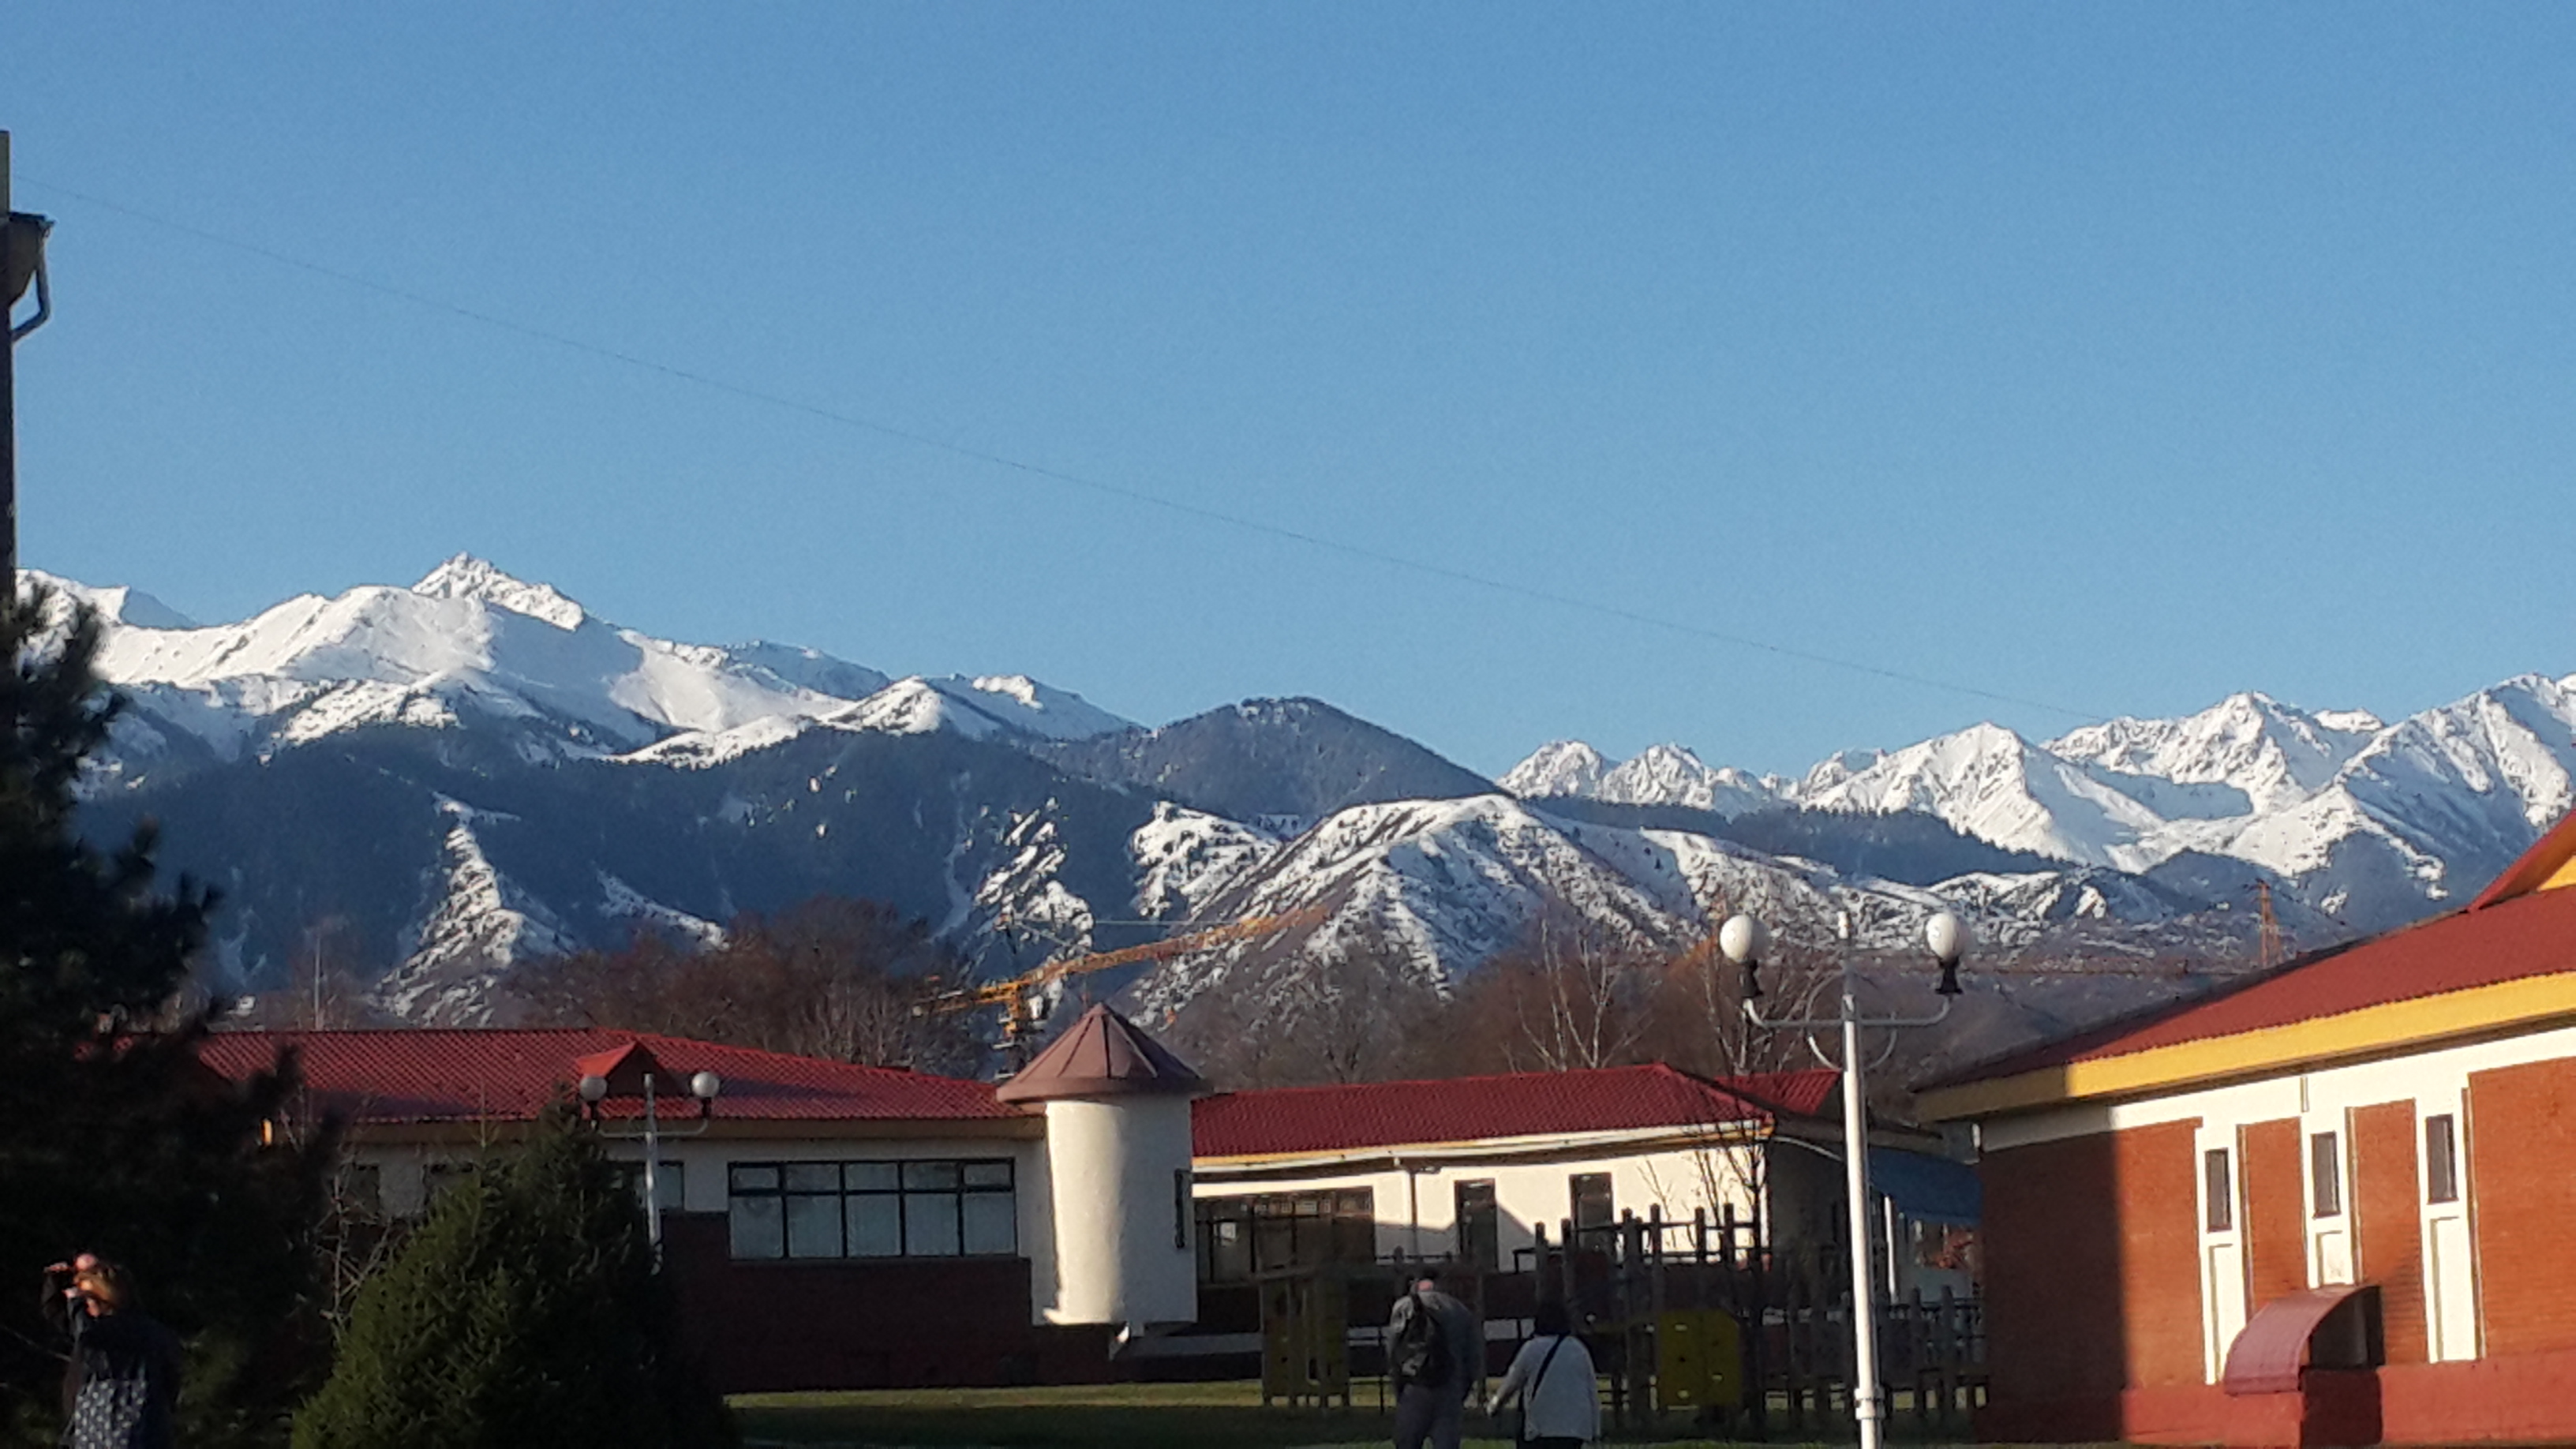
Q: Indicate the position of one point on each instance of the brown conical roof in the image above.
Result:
(1102, 1055)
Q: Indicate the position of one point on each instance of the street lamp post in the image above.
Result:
(704, 1087)
(1745, 941)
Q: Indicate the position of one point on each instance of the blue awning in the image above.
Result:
(1926, 1188)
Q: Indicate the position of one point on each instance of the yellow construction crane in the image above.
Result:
(1019, 996)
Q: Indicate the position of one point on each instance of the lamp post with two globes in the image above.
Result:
(1746, 941)
(704, 1087)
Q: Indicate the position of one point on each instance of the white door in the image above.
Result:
(2226, 1316)
(2450, 1256)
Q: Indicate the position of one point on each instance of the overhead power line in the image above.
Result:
(1103, 487)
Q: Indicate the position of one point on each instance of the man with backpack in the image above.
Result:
(1435, 1357)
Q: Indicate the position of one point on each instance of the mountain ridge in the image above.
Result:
(442, 781)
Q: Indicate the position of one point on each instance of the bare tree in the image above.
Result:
(1570, 997)
(325, 986)
(1369, 1009)
(853, 981)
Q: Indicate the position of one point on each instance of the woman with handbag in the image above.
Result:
(1553, 1380)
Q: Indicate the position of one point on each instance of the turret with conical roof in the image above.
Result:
(1102, 1055)
(1118, 1161)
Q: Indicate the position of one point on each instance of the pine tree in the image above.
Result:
(525, 1311)
(114, 1139)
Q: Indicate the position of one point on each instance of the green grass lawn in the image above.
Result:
(1107, 1416)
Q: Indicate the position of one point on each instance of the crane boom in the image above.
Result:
(1018, 994)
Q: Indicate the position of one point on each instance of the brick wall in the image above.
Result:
(834, 1325)
(2391, 1228)
(2092, 1269)
(2276, 1210)
(2522, 1185)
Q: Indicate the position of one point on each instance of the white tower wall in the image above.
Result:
(1119, 1169)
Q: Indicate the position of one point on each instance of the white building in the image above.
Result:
(1472, 1169)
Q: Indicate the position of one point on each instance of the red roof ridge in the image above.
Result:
(632, 1037)
(1666, 1068)
(2510, 938)
(1423, 1112)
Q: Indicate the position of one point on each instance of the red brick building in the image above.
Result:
(2332, 1206)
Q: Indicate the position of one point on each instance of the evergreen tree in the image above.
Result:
(114, 1139)
(525, 1311)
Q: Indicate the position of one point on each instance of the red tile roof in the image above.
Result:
(2522, 936)
(481, 1076)
(1467, 1109)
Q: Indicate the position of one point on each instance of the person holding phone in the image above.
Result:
(121, 1388)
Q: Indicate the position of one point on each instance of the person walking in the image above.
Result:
(1553, 1378)
(121, 1387)
(1435, 1356)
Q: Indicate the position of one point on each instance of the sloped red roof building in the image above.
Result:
(2329, 1206)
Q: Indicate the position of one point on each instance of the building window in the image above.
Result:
(2442, 1158)
(359, 1191)
(1593, 1207)
(2325, 1175)
(1479, 1240)
(842, 1210)
(2219, 1185)
(437, 1177)
(1241, 1238)
(668, 1182)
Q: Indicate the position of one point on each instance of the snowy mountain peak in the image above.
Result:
(2274, 754)
(1559, 767)
(1672, 775)
(468, 577)
(118, 605)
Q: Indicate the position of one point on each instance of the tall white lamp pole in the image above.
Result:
(705, 1086)
(1745, 941)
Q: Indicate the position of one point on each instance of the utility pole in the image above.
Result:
(22, 260)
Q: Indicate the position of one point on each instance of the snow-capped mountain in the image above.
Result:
(2371, 822)
(445, 780)
(470, 643)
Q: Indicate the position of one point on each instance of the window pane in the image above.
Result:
(814, 1225)
(992, 1223)
(813, 1177)
(930, 1224)
(667, 1182)
(869, 1176)
(2325, 1174)
(876, 1226)
(1593, 1207)
(758, 1228)
(1477, 1223)
(2441, 1159)
(930, 1174)
(2219, 1186)
(755, 1179)
(988, 1174)
(1230, 1259)
(362, 1190)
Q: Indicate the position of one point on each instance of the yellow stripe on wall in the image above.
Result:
(2372, 1030)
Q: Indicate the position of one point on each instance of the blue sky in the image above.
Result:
(2105, 357)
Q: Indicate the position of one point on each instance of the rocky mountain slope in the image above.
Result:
(428, 786)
